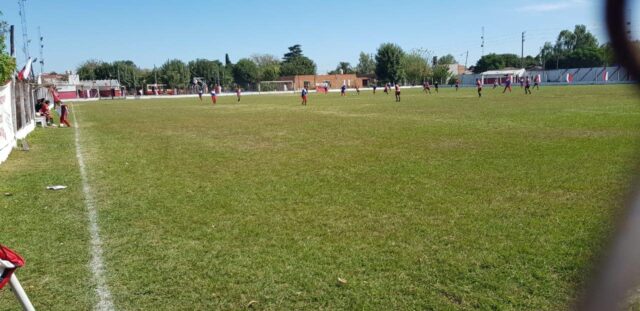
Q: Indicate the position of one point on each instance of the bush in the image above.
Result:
(7, 67)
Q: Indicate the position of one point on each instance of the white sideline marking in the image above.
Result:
(97, 264)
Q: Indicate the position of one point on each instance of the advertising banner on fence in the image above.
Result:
(7, 136)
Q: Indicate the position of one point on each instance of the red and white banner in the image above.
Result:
(569, 78)
(605, 76)
(26, 70)
(538, 78)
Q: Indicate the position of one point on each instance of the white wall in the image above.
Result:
(7, 135)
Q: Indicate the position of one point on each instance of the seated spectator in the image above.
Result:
(46, 112)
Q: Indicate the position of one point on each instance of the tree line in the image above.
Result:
(572, 49)
(175, 73)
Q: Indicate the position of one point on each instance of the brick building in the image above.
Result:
(332, 81)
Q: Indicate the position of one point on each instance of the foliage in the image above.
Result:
(366, 64)
(583, 57)
(245, 71)
(128, 74)
(7, 67)
(175, 74)
(497, 61)
(416, 67)
(227, 60)
(209, 70)
(268, 66)
(447, 60)
(389, 63)
(294, 52)
(441, 74)
(575, 48)
(295, 63)
(3, 30)
(343, 68)
(125, 71)
(87, 70)
(7, 63)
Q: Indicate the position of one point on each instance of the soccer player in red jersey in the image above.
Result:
(397, 92)
(527, 86)
(64, 114)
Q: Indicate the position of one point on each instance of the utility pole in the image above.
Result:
(522, 50)
(482, 38)
(466, 59)
(12, 41)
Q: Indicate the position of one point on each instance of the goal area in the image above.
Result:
(276, 86)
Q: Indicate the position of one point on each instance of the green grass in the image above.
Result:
(441, 202)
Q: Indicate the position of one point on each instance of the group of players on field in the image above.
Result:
(426, 87)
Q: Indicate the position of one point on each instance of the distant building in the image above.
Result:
(70, 86)
(456, 69)
(331, 81)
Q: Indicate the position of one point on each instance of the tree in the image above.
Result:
(608, 54)
(584, 39)
(227, 60)
(127, 73)
(441, 74)
(175, 74)
(104, 71)
(294, 63)
(7, 66)
(447, 60)
(389, 63)
(209, 70)
(366, 64)
(497, 61)
(3, 31)
(294, 51)
(584, 57)
(415, 66)
(245, 71)
(572, 44)
(268, 66)
(87, 70)
(343, 68)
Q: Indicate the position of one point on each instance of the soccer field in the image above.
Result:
(442, 201)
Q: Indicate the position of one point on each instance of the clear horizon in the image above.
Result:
(149, 34)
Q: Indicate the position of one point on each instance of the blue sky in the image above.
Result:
(150, 32)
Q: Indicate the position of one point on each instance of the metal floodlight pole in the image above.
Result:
(522, 50)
